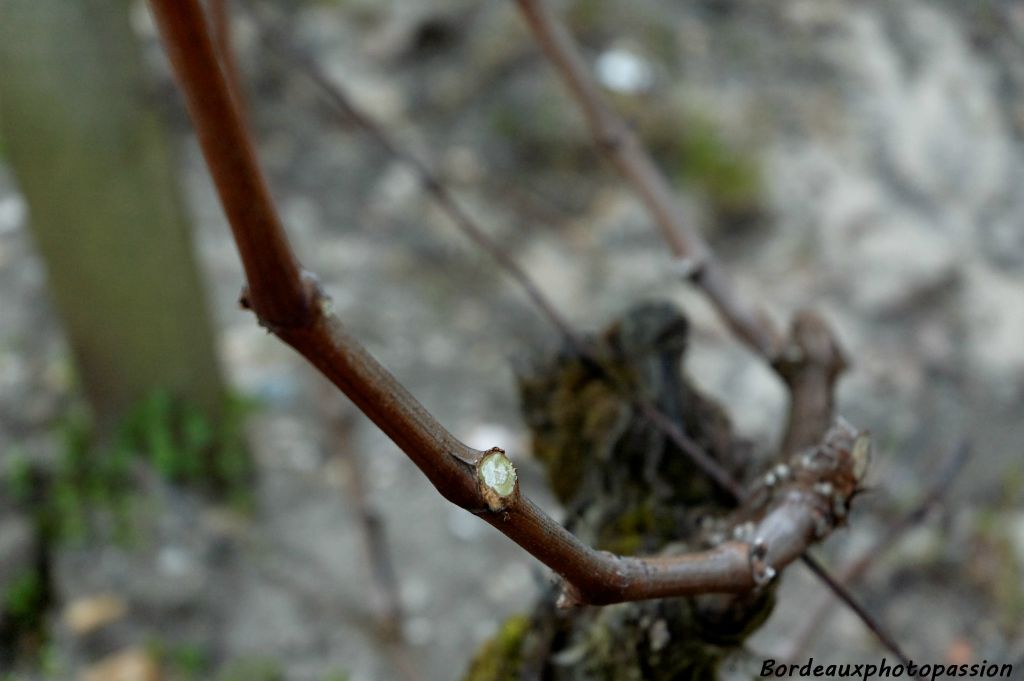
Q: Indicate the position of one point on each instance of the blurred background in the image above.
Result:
(182, 498)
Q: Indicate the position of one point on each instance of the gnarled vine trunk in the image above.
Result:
(629, 490)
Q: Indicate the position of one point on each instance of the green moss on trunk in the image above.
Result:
(499, 659)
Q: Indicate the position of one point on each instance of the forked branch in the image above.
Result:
(291, 305)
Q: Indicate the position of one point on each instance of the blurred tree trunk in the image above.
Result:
(92, 160)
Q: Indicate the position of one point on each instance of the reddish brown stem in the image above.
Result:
(220, 25)
(279, 295)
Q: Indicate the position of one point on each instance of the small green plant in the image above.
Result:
(337, 676)
(728, 176)
(93, 484)
(186, 662)
(252, 669)
(698, 155)
(184, 445)
(22, 608)
(23, 599)
(87, 482)
(17, 478)
(51, 662)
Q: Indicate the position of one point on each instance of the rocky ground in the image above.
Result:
(863, 158)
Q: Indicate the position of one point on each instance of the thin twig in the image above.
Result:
(277, 42)
(620, 145)
(296, 310)
(385, 599)
(844, 594)
(337, 442)
(857, 569)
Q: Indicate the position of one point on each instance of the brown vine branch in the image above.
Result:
(618, 142)
(294, 308)
(812, 361)
(810, 370)
(810, 365)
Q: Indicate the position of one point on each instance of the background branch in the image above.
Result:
(618, 142)
(278, 43)
(385, 599)
(856, 570)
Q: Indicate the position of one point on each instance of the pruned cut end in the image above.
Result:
(497, 478)
(861, 455)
